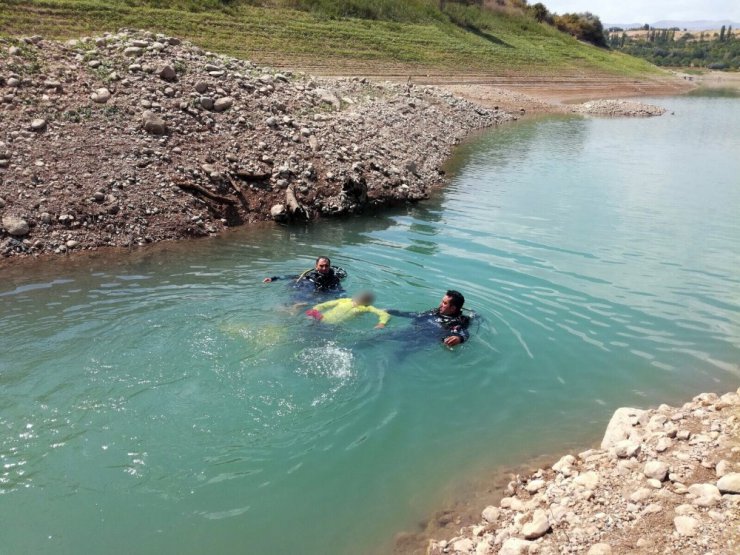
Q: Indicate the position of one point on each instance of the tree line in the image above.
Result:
(720, 51)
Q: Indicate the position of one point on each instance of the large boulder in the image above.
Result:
(621, 427)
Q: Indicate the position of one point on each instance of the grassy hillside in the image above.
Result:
(334, 35)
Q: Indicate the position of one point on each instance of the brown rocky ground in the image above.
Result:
(664, 481)
(133, 137)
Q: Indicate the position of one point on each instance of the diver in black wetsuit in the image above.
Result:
(323, 278)
(446, 323)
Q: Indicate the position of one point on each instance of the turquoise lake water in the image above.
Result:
(169, 402)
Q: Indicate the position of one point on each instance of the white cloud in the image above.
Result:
(634, 11)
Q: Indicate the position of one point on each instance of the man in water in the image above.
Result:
(341, 310)
(446, 322)
(322, 278)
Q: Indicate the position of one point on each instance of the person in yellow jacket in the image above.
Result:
(341, 310)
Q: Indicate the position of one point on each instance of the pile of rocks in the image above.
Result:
(618, 108)
(135, 137)
(664, 481)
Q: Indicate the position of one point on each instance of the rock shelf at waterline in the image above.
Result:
(664, 481)
(134, 137)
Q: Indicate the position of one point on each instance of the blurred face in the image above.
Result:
(446, 307)
(323, 266)
(365, 299)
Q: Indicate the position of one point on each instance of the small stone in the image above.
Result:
(652, 509)
(683, 435)
(223, 104)
(206, 102)
(626, 449)
(707, 495)
(45, 218)
(600, 549)
(154, 124)
(38, 124)
(723, 467)
(201, 87)
(100, 96)
(729, 483)
(167, 73)
(685, 510)
(515, 546)
(534, 486)
(93, 63)
(464, 545)
(686, 525)
(132, 51)
(656, 469)
(72, 244)
(538, 527)
(271, 121)
(15, 226)
(654, 483)
(491, 513)
(663, 444)
(565, 465)
(588, 480)
(278, 212)
(641, 495)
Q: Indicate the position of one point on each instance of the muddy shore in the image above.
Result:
(132, 138)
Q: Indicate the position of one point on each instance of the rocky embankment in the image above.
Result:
(664, 481)
(133, 137)
(618, 108)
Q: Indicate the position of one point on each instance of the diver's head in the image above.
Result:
(323, 265)
(364, 298)
(451, 303)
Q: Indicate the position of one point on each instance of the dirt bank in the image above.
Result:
(132, 138)
(665, 480)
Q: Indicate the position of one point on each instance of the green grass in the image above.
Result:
(413, 34)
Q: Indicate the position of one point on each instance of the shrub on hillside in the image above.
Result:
(584, 26)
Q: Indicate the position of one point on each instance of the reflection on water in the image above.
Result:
(170, 401)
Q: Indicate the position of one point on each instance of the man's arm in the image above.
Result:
(276, 278)
(402, 313)
(382, 315)
(458, 333)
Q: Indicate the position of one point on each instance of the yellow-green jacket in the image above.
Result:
(340, 310)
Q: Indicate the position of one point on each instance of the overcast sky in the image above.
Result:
(638, 11)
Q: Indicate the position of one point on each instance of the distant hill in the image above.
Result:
(699, 25)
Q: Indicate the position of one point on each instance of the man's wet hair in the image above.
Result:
(320, 258)
(456, 298)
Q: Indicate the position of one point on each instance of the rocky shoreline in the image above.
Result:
(618, 108)
(665, 480)
(134, 137)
